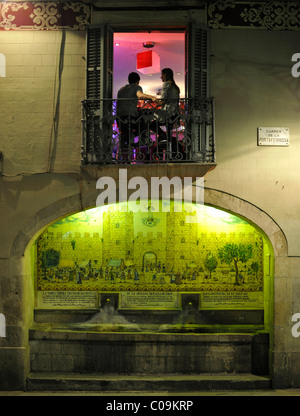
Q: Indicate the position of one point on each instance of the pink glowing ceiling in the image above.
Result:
(170, 48)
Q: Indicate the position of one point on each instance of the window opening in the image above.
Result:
(185, 135)
(170, 47)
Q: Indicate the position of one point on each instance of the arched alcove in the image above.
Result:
(223, 260)
(274, 245)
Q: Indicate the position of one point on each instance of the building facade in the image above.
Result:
(170, 285)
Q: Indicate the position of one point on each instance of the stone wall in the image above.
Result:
(42, 179)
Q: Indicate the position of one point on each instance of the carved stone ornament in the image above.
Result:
(269, 15)
(43, 16)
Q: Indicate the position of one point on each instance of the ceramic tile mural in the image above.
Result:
(103, 249)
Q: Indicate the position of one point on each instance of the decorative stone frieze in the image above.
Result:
(44, 16)
(269, 15)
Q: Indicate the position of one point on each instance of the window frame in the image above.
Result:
(100, 59)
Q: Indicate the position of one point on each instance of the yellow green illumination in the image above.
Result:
(112, 249)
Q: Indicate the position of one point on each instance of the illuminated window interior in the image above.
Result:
(169, 47)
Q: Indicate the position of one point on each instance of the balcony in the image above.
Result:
(187, 137)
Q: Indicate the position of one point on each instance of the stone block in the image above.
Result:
(14, 364)
(66, 363)
(143, 354)
(40, 362)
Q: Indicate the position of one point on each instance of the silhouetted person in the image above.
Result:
(169, 110)
(130, 122)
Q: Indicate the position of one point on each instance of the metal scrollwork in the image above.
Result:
(187, 137)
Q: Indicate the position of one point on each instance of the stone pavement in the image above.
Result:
(274, 393)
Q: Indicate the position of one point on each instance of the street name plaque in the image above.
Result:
(273, 136)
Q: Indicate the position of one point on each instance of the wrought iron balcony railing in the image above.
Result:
(186, 136)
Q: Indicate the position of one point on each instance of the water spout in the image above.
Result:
(108, 319)
(107, 315)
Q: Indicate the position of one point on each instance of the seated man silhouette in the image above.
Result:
(129, 121)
